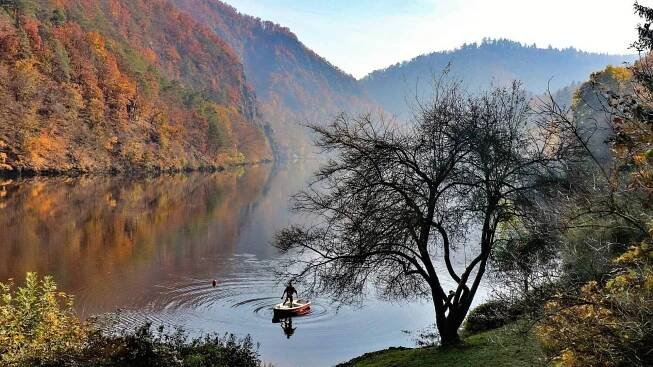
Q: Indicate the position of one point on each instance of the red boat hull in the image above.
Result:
(294, 311)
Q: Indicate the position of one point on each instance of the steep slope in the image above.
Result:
(591, 109)
(294, 85)
(480, 65)
(118, 85)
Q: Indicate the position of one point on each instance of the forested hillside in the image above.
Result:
(118, 85)
(480, 65)
(293, 84)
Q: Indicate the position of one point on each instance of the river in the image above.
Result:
(147, 248)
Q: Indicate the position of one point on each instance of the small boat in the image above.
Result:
(297, 308)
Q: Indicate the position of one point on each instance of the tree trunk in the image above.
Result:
(447, 324)
(449, 333)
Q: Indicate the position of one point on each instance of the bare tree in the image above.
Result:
(392, 198)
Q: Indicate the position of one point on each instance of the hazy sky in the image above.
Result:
(363, 35)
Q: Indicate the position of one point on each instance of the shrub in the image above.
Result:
(38, 327)
(489, 315)
(605, 325)
(37, 324)
(148, 347)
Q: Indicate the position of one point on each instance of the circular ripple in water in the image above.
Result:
(262, 308)
(243, 297)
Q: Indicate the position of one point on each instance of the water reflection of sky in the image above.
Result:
(151, 246)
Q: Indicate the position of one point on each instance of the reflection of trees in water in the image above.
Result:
(270, 213)
(110, 239)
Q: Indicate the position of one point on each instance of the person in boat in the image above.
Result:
(288, 294)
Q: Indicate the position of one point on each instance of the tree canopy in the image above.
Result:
(393, 203)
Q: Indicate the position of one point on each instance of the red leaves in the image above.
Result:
(103, 80)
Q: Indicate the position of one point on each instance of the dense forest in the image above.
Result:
(492, 62)
(120, 85)
(294, 85)
(193, 84)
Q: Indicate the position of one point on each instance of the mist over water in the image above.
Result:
(148, 248)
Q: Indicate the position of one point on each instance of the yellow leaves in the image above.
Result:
(619, 73)
(37, 322)
(566, 359)
(576, 98)
(25, 79)
(26, 65)
(589, 288)
(569, 332)
(591, 328)
(648, 282)
(96, 41)
(640, 253)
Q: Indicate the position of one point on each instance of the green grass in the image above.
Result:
(496, 348)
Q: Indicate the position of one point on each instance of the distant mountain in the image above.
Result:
(293, 84)
(481, 65)
(118, 85)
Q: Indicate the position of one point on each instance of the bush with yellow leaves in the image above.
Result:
(605, 325)
(37, 324)
(38, 327)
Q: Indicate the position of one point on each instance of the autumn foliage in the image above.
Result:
(607, 322)
(38, 327)
(294, 85)
(38, 323)
(120, 85)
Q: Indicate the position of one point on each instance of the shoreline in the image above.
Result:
(132, 172)
(506, 346)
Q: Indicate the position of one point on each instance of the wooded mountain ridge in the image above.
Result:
(481, 65)
(161, 85)
(294, 85)
(120, 85)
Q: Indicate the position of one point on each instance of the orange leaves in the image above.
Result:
(634, 144)
(78, 85)
(111, 143)
(42, 148)
(97, 43)
(25, 80)
(31, 28)
(150, 55)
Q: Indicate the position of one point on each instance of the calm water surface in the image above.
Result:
(148, 248)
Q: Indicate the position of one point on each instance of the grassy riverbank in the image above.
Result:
(500, 347)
